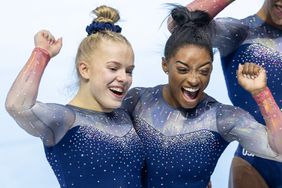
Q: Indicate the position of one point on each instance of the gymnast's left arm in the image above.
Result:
(253, 79)
(234, 123)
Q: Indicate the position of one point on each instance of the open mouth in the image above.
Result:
(117, 91)
(190, 93)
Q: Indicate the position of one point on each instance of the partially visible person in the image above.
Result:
(183, 129)
(89, 142)
(258, 39)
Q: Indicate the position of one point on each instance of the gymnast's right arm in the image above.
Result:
(38, 119)
(211, 7)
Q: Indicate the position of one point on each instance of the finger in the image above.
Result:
(239, 70)
(245, 70)
(251, 70)
(49, 37)
(45, 34)
(51, 41)
(256, 70)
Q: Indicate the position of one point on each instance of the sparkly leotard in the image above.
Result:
(183, 146)
(252, 40)
(101, 150)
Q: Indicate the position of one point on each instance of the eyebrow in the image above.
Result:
(114, 62)
(120, 64)
(180, 62)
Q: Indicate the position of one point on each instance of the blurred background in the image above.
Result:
(22, 158)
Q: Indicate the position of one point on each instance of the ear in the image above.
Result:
(84, 69)
(165, 65)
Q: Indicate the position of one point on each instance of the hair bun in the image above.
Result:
(183, 17)
(106, 14)
(105, 19)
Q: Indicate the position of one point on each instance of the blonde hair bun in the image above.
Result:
(106, 14)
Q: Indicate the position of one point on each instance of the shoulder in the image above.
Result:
(121, 113)
(227, 19)
(229, 117)
(140, 91)
(229, 113)
(232, 23)
(50, 113)
(52, 108)
(226, 108)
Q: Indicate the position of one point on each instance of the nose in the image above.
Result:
(121, 77)
(193, 79)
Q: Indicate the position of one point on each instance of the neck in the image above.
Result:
(167, 96)
(86, 101)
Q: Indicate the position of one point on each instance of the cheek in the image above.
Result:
(175, 88)
(129, 80)
(106, 76)
(176, 78)
(205, 81)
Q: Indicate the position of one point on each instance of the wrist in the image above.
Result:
(42, 52)
(261, 94)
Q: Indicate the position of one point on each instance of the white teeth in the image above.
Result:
(191, 89)
(117, 89)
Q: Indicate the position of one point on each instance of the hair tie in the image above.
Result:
(95, 27)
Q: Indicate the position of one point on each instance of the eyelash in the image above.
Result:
(113, 69)
(204, 72)
(182, 70)
(185, 70)
(130, 72)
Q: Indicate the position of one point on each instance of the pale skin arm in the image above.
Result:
(212, 7)
(22, 95)
(253, 79)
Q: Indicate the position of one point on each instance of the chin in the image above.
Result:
(279, 23)
(112, 106)
(116, 105)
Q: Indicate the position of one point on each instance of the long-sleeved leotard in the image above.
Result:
(183, 146)
(85, 148)
(100, 150)
(248, 40)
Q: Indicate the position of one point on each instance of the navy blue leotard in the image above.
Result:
(100, 149)
(182, 146)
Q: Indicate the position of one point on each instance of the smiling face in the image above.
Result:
(189, 73)
(109, 75)
(271, 12)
